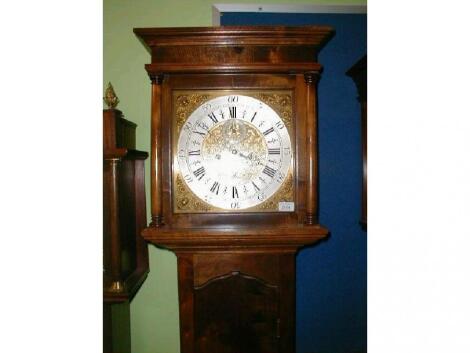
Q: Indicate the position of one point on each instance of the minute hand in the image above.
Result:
(250, 156)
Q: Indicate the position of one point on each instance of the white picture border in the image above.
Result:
(218, 9)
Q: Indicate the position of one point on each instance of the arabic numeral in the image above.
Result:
(234, 205)
(188, 178)
(232, 99)
(202, 125)
(188, 126)
(280, 177)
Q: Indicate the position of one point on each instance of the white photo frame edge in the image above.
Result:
(218, 9)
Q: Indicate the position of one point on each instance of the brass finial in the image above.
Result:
(110, 97)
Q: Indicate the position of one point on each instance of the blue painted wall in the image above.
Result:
(332, 276)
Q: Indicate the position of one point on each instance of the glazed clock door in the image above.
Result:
(234, 153)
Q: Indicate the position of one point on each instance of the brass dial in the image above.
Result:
(234, 152)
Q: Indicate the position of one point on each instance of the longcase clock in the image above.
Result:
(234, 176)
(125, 253)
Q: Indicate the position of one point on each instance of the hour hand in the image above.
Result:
(242, 155)
(250, 156)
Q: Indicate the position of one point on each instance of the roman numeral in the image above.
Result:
(194, 153)
(256, 186)
(234, 192)
(269, 171)
(199, 173)
(268, 131)
(254, 115)
(215, 187)
(200, 133)
(274, 150)
(213, 118)
(233, 112)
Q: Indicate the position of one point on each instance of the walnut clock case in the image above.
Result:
(234, 176)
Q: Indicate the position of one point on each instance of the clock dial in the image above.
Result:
(234, 152)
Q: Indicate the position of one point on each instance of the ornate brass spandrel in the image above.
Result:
(186, 201)
(284, 194)
(110, 97)
(185, 104)
(281, 103)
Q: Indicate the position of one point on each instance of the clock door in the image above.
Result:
(236, 313)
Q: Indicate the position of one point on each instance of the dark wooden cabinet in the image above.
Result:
(245, 320)
(125, 254)
(236, 266)
(358, 72)
(241, 302)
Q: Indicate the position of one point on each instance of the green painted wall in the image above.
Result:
(154, 310)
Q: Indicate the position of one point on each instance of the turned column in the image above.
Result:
(156, 152)
(311, 216)
(112, 184)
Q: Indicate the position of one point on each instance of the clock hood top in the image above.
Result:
(270, 49)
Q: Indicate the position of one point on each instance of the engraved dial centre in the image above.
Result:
(234, 151)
